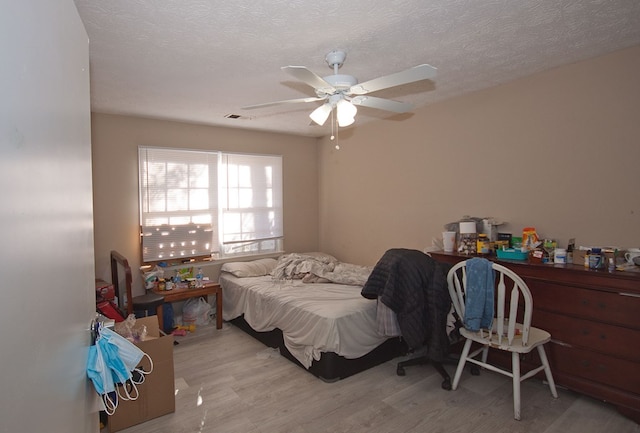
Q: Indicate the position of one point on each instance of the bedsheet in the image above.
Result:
(314, 318)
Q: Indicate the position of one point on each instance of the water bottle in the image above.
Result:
(199, 277)
(176, 278)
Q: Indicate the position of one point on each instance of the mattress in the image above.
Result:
(314, 318)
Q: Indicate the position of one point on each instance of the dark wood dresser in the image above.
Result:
(594, 320)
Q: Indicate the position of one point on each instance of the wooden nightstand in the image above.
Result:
(209, 288)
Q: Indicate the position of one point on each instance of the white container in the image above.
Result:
(467, 227)
(560, 256)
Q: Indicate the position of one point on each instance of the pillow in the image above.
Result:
(255, 268)
(320, 255)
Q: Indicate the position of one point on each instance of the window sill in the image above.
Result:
(202, 263)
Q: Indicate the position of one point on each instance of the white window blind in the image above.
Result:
(198, 203)
(251, 203)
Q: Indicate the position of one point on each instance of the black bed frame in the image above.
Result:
(331, 367)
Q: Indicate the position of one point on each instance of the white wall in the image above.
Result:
(46, 227)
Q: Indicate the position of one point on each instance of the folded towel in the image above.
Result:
(478, 312)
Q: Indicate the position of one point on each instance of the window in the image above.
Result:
(199, 203)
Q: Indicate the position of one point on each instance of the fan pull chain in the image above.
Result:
(333, 115)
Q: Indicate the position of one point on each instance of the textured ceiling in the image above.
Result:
(199, 60)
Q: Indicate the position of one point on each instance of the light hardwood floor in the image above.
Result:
(228, 382)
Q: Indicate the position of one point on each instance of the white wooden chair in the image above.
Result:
(506, 333)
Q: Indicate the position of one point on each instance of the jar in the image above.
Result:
(468, 243)
(596, 259)
(483, 246)
(468, 238)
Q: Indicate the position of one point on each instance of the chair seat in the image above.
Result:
(147, 301)
(537, 337)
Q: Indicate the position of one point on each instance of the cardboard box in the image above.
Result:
(157, 394)
(104, 291)
(578, 256)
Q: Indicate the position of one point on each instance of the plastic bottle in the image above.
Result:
(560, 256)
(530, 238)
(199, 277)
(483, 245)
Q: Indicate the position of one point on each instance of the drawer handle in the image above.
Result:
(633, 295)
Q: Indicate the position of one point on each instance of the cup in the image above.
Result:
(448, 241)
(631, 253)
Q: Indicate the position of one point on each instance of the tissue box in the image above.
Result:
(578, 255)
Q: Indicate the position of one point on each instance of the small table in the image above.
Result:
(182, 294)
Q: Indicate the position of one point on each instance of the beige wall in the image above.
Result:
(115, 140)
(559, 150)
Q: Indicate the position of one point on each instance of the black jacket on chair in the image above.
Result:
(414, 286)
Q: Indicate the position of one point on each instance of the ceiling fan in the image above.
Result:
(344, 93)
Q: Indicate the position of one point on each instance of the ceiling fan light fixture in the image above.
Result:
(321, 114)
(346, 113)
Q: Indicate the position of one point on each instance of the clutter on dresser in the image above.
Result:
(474, 236)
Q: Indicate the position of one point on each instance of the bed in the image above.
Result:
(310, 307)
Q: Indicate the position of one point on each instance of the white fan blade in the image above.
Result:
(417, 73)
(310, 78)
(382, 104)
(286, 101)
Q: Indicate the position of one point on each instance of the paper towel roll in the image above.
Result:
(468, 227)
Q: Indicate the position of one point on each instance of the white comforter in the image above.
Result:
(320, 269)
(314, 318)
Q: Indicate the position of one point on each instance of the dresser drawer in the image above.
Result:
(600, 306)
(595, 367)
(599, 337)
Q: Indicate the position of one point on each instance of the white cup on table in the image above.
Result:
(631, 253)
(448, 241)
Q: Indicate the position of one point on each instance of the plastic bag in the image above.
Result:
(129, 330)
(196, 311)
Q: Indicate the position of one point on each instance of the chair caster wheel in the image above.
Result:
(400, 371)
(446, 384)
